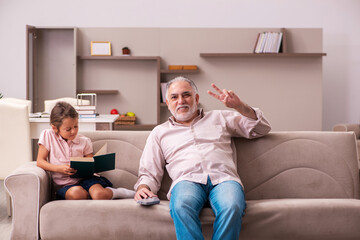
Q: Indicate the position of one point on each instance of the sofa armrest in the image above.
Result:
(29, 188)
(348, 127)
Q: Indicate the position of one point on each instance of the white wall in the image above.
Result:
(339, 19)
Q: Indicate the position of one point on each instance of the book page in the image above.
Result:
(102, 150)
(39, 115)
(82, 159)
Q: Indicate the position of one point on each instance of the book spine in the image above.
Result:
(262, 47)
(279, 42)
(261, 43)
(87, 115)
(85, 107)
(269, 42)
(275, 43)
(257, 43)
(82, 112)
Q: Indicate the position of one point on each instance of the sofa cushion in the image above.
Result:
(316, 219)
(127, 155)
(264, 219)
(121, 178)
(105, 219)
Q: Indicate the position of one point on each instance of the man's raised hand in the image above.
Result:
(231, 100)
(228, 97)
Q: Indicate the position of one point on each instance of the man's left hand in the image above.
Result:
(231, 100)
(228, 97)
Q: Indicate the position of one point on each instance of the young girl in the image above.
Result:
(57, 145)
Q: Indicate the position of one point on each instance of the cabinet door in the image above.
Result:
(30, 57)
(51, 64)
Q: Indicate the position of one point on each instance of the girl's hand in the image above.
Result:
(66, 169)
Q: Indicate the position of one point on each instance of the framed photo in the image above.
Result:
(99, 48)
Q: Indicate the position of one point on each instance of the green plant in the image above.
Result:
(1, 95)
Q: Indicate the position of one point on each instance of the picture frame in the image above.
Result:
(100, 48)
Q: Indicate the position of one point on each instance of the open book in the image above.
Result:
(39, 115)
(87, 166)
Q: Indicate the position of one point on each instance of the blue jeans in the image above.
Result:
(226, 199)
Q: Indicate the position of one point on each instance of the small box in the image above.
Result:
(175, 67)
(190, 67)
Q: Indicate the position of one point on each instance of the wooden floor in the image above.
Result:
(5, 221)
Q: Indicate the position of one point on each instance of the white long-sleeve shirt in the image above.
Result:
(197, 151)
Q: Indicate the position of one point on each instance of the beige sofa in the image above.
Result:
(350, 127)
(298, 185)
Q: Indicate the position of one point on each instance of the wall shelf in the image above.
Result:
(92, 67)
(262, 55)
(228, 60)
(100, 92)
(127, 58)
(139, 127)
(166, 71)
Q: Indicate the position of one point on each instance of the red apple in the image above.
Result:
(114, 111)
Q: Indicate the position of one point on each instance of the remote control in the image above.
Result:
(149, 201)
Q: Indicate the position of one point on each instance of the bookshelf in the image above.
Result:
(59, 64)
(98, 92)
(136, 127)
(112, 58)
(124, 58)
(181, 72)
(119, 70)
(284, 51)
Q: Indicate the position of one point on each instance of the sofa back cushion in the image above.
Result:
(279, 165)
(299, 165)
(348, 127)
(128, 147)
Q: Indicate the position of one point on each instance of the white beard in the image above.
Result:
(184, 116)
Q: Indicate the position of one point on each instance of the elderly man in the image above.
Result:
(195, 148)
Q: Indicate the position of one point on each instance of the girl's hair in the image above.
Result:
(61, 111)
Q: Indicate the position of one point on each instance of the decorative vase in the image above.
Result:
(126, 51)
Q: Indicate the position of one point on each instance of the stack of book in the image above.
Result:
(268, 42)
(86, 111)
